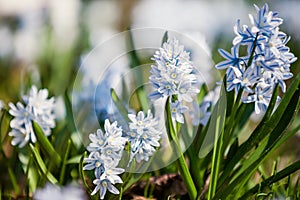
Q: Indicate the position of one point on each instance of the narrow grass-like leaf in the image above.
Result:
(64, 163)
(232, 150)
(46, 145)
(143, 99)
(273, 179)
(69, 112)
(265, 126)
(121, 108)
(264, 149)
(134, 59)
(74, 159)
(40, 163)
(215, 125)
(216, 128)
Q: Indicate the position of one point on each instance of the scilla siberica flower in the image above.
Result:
(38, 108)
(173, 75)
(144, 136)
(51, 191)
(105, 153)
(266, 63)
(201, 113)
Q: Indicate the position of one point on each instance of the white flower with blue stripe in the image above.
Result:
(173, 75)
(267, 60)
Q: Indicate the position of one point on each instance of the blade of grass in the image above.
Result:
(42, 167)
(121, 108)
(216, 128)
(46, 145)
(69, 113)
(266, 125)
(273, 179)
(64, 163)
(265, 148)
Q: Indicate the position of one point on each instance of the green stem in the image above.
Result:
(64, 164)
(181, 164)
(121, 193)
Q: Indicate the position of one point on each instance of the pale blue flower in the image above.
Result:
(271, 59)
(39, 103)
(37, 108)
(261, 97)
(98, 141)
(111, 173)
(239, 78)
(201, 114)
(95, 162)
(233, 59)
(177, 110)
(173, 73)
(110, 143)
(244, 36)
(265, 21)
(103, 185)
(50, 192)
(143, 136)
(114, 135)
(186, 91)
(106, 150)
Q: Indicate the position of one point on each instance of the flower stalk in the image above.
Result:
(181, 164)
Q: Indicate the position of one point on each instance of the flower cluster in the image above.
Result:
(37, 108)
(266, 63)
(174, 76)
(51, 191)
(143, 136)
(106, 149)
(105, 153)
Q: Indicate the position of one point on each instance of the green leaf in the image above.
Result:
(74, 160)
(121, 108)
(267, 124)
(42, 167)
(134, 59)
(232, 150)
(69, 113)
(265, 148)
(64, 163)
(216, 128)
(46, 145)
(273, 179)
(215, 125)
